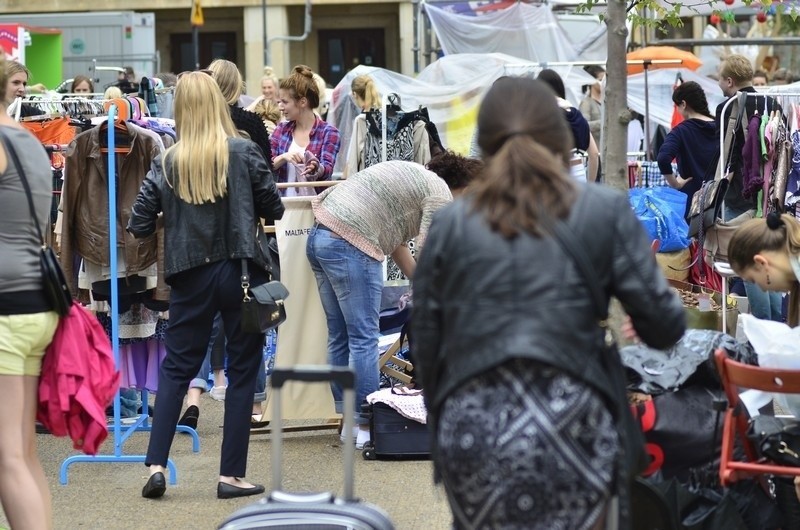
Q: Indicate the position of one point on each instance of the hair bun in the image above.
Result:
(774, 220)
(304, 71)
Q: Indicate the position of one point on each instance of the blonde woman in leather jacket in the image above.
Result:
(211, 187)
(527, 414)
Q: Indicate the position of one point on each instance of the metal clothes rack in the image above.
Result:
(724, 269)
(141, 423)
(67, 106)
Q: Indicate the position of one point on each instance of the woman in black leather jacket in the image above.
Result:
(212, 187)
(521, 391)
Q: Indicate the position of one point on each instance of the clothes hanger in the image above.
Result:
(393, 105)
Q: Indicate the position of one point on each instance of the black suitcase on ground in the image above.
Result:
(394, 435)
(311, 511)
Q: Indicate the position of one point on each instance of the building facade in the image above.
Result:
(332, 36)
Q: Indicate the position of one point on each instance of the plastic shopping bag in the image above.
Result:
(777, 346)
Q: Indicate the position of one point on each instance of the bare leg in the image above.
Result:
(235, 481)
(20, 491)
(31, 388)
(219, 377)
(193, 397)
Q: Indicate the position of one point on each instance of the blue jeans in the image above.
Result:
(201, 380)
(350, 285)
(766, 305)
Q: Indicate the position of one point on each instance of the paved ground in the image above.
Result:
(108, 495)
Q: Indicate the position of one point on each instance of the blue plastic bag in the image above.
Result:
(660, 211)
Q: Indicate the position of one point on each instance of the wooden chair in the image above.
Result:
(391, 355)
(735, 375)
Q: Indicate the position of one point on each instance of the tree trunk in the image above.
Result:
(617, 116)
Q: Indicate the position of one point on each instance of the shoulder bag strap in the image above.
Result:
(245, 281)
(737, 117)
(571, 246)
(11, 155)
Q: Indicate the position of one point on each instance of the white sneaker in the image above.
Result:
(217, 393)
(362, 438)
(355, 434)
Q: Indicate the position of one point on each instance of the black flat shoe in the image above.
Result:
(229, 491)
(257, 421)
(190, 417)
(155, 487)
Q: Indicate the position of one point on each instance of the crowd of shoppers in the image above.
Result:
(502, 351)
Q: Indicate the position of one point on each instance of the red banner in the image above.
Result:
(9, 41)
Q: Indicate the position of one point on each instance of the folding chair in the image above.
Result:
(735, 375)
(391, 356)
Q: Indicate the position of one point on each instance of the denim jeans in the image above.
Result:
(201, 380)
(766, 305)
(350, 285)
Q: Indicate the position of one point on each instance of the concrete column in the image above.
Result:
(406, 22)
(277, 26)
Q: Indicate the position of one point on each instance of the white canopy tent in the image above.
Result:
(660, 86)
(528, 31)
(451, 88)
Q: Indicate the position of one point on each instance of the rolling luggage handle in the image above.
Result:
(342, 375)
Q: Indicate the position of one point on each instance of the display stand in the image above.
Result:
(142, 423)
(302, 339)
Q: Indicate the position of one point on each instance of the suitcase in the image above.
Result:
(312, 511)
(394, 435)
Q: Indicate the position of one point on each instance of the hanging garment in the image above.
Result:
(85, 201)
(399, 138)
(78, 381)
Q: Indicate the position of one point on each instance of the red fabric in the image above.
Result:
(703, 274)
(78, 381)
(676, 116)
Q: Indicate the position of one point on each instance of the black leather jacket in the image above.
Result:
(481, 300)
(205, 233)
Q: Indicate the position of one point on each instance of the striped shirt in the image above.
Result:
(383, 206)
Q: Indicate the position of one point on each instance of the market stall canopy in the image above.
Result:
(660, 86)
(528, 31)
(656, 53)
(452, 89)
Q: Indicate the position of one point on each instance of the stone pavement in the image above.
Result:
(108, 495)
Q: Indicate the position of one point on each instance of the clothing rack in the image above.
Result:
(142, 423)
(67, 106)
(724, 269)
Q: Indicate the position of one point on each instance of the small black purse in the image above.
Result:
(262, 306)
(54, 282)
(775, 439)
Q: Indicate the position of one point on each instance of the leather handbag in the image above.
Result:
(54, 282)
(706, 205)
(262, 306)
(775, 439)
(718, 237)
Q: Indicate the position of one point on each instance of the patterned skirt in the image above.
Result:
(526, 446)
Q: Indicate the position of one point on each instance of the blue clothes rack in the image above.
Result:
(141, 423)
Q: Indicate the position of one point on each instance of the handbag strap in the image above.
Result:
(571, 246)
(245, 281)
(737, 116)
(12, 154)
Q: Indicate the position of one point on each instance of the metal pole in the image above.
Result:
(782, 41)
(646, 67)
(264, 30)
(196, 46)
(415, 48)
